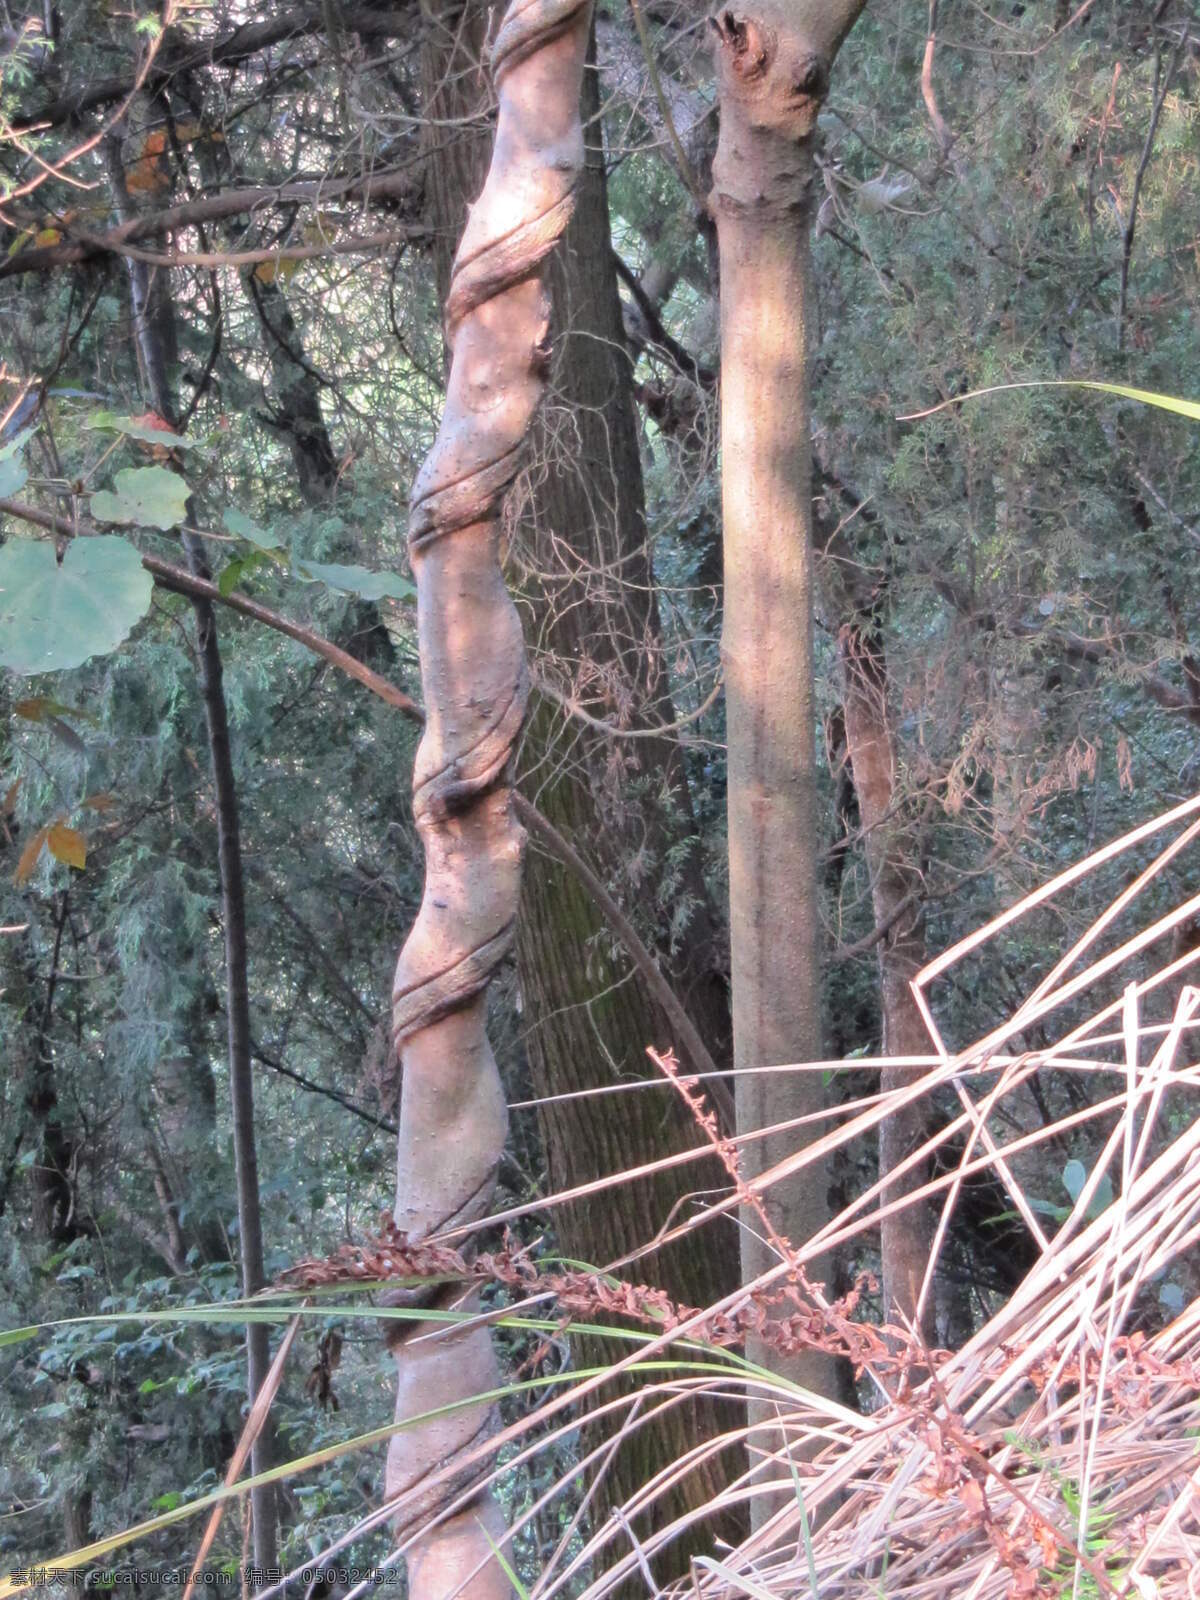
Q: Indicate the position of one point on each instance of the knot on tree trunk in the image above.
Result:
(776, 77)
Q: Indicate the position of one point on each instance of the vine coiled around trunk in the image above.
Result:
(475, 680)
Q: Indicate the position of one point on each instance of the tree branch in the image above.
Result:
(181, 582)
(701, 375)
(1162, 87)
(121, 240)
(335, 1095)
(243, 42)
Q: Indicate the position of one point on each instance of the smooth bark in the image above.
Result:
(773, 64)
(475, 681)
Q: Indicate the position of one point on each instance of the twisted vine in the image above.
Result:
(475, 680)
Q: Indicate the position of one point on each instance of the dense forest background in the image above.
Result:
(236, 223)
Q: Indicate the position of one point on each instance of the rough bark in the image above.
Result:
(773, 64)
(589, 1017)
(455, 138)
(147, 305)
(593, 613)
(475, 681)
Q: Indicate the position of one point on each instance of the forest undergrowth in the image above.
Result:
(1054, 1453)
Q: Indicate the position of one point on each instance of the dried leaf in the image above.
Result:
(67, 845)
(1124, 763)
(29, 856)
(1046, 1538)
(973, 1498)
(33, 709)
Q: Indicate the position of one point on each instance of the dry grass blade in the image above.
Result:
(255, 1420)
(1053, 1452)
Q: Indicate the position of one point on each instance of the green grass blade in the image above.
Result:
(505, 1564)
(806, 1533)
(1145, 397)
(317, 1458)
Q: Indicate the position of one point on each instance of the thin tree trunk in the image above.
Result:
(53, 1191)
(853, 612)
(453, 1118)
(299, 416)
(147, 316)
(896, 900)
(773, 63)
(297, 392)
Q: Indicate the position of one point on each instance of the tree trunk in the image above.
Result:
(54, 1214)
(184, 1134)
(773, 63)
(152, 349)
(853, 609)
(896, 900)
(595, 619)
(298, 413)
(474, 677)
(589, 1018)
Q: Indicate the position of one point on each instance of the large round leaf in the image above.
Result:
(54, 616)
(151, 497)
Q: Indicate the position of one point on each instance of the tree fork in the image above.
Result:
(475, 681)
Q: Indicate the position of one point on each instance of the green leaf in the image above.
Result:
(244, 527)
(358, 580)
(12, 477)
(14, 473)
(241, 567)
(53, 617)
(230, 575)
(137, 428)
(16, 442)
(151, 497)
(1074, 1176)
